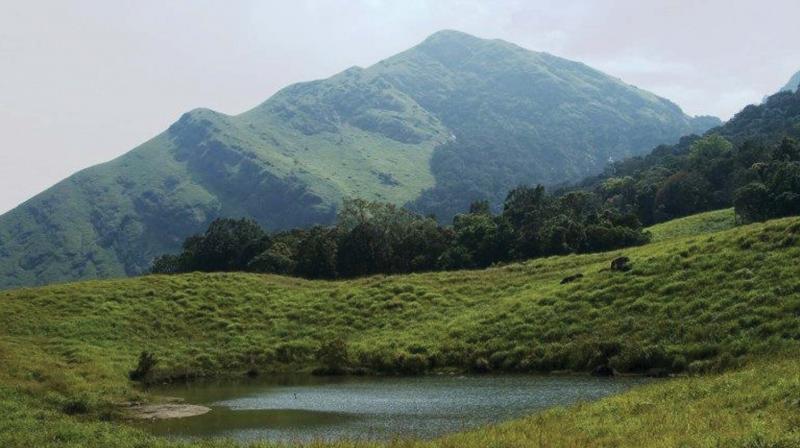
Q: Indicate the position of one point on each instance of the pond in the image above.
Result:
(302, 408)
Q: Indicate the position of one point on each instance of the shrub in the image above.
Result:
(481, 365)
(641, 359)
(76, 406)
(411, 363)
(144, 367)
(333, 356)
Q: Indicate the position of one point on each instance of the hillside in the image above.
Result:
(758, 149)
(449, 121)
(693, 303)
(693, 225)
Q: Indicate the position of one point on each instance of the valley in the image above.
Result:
(456, 242)
(717, 305)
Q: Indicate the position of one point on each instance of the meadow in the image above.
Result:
(719, 307)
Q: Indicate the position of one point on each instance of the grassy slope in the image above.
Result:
(694, 225)
(715, 301)
(112, 219)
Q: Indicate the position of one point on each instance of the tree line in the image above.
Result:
(761, 181)
(379, 238)
(750, 163)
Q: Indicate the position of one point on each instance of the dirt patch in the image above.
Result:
(165, 411)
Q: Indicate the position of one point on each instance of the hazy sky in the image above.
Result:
(82, 82)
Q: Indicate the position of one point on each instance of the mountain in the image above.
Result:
(793, 84)
(454, 119)
(758, 148)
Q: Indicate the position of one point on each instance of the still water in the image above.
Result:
(301, 408)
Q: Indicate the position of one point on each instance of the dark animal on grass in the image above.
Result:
(621, 264)
(571, 278)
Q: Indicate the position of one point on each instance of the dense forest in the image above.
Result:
(372, 237)
(752, 162)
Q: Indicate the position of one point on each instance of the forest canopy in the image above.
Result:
(751, 163)
(379, 238)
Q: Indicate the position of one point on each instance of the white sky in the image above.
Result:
(84, 81)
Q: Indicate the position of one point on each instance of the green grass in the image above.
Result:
(694, 225)
(715, 302)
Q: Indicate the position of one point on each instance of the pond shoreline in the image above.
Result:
(297, 407)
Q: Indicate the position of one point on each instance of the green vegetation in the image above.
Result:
(377, 238)
(694, 225)
(452, 120)
(724, 301)
(751, 162)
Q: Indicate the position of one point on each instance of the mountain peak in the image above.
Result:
(452, 34)
(451, 38)
(455, 119)
(452, 48)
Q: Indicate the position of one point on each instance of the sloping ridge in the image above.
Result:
(452, 120)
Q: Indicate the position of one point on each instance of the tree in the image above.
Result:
(167, 264)
(278, 259)
(709, 148)
(421, 244)
(364, 250)
(227, 245)
(526, 209)
(751, 202)
(788, 151)
(480, 208)
(485, 238)
(563, 234)
(316, 254)
(682, 194)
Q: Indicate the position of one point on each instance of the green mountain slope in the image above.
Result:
(700, 174)
(697, 303)
(452, 120)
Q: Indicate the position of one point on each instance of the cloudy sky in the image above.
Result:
(84, 81)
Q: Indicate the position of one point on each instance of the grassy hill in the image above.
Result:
(694, 225)
(452, 120)
(695, 303)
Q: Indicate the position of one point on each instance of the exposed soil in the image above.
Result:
(165, 411)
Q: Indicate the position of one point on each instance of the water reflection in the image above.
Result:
(304, 407)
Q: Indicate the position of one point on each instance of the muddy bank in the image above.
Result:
(165, 411)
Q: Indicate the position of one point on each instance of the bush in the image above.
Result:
(333, 356)
(144, 368)
(76, 406)
(641, 359)
(411, 363)
(481, 365)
